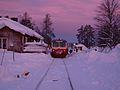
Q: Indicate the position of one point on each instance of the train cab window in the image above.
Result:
(55, 44)
(62, 44)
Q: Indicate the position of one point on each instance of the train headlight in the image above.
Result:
(53, 50)
(64, 50)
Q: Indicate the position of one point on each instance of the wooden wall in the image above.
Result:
(13, 39)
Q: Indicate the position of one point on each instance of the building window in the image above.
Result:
(3, 43)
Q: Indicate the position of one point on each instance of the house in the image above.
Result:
(14, 35)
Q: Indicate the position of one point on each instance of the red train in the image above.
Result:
(59, 48)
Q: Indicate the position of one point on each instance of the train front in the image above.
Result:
(59, 48)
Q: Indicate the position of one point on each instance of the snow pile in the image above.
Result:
(115, 53)
(93, 56)
(116, 49)
(35, 47)
(104, 57)
(18, 27)
(36, 43)
(95, 70)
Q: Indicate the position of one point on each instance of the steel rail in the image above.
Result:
(43, 77)
(69, 79)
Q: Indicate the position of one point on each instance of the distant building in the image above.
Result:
(13, 35)
(80, 47)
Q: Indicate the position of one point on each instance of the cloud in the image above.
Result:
(62, 10)
(4, 12)
(66, 14)
(70, 10)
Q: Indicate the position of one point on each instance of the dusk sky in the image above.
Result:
(67, 15)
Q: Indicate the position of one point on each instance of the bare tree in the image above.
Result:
(108, 23)
(47, 30)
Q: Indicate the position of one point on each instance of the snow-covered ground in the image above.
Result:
(35, 63)
(88, 71)
(95, 71)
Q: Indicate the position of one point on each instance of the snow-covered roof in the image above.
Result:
(81, 45)
(16, 26)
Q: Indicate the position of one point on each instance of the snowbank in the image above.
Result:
(35, 63)
(38, 47)
(95, 70)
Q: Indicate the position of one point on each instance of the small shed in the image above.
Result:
(80, 47)
(14, 35)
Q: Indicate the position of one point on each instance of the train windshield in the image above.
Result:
(59, 44)
(62, 44)
(55, 44)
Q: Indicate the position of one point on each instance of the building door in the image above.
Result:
(0, 43)
(3, 43)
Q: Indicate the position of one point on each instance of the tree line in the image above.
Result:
(106, 32)
(46, 30)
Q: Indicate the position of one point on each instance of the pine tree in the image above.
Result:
(80, 34)
(26, 20)
(108, 23)
(86, 36)
(47, 30)
(37, 29)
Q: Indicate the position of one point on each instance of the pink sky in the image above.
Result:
(67, 15)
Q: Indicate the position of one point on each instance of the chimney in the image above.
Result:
(6, 16)
(14, 19)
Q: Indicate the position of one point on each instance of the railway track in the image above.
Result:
(50, 70)
(70, 82)
(43, 77)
